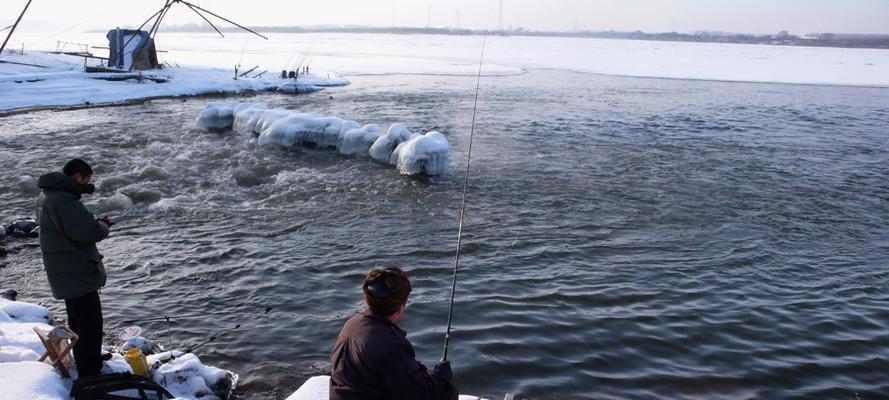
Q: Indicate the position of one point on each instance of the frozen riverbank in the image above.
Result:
(22, 376)
(41, 79)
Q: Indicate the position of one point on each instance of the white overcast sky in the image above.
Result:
(748, 16)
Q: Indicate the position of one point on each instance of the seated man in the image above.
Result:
(373, 359)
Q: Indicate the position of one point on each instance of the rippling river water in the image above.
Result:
(625, 238)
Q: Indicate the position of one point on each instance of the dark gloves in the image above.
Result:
(443, 370)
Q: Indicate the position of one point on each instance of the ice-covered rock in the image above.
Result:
(23, 228)
(19, 311)
(385, 144)
(262, 121)
(246, 117)
(297, 87)
(423, 154)
(411, 153)
(303, 129)
(31, 380)
(8, 294)
(357, 141)
(217, 115)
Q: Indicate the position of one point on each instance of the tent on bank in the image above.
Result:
(131, 50)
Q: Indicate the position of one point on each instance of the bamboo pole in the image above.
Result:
(13, 27)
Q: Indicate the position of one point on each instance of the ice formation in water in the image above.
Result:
(384, 145)
(427, 153)
(357, 141)
(410, 153)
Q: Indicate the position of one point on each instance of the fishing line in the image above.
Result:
(218, 335)
(447, 338)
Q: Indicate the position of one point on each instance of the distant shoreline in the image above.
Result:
(858, 41)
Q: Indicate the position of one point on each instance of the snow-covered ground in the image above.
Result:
(63, 82)
(23, 377)
(359, 54)
(355, 54)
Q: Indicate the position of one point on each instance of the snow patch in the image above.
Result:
(31, 380)
(19, 311)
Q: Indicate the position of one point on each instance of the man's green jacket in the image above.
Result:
(68, 237)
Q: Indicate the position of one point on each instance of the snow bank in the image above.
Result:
(31, 380)
(318, 388)
(18, 311)
(21, 377)
(185, 376)
(18, 342)
(410, 153)
(64, 83)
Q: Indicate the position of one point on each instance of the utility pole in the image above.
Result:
(11, 30)
(500, 17)
(392, 23)
(428, 15)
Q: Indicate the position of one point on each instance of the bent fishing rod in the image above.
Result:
(447, 338)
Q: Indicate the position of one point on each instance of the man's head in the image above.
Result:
(386, 291)
(79, 170)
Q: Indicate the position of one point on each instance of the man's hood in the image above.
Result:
(60, 181)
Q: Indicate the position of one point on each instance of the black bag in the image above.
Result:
(121, 386)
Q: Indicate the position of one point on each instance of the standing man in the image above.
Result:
(68, 237)
(372, 358)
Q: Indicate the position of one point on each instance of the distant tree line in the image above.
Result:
(781, 38)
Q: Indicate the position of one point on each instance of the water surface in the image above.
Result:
(625, 237)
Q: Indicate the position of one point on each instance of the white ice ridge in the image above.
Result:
(410, 153)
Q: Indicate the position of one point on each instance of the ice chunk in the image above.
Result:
(217, 115)
(384, 145)
(24, 312)
(423, 154)
(265, 119)
(303, 129)
(31, 380)
(357, 141)
(247, 117)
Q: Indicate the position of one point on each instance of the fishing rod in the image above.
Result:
(447, 338)
(216, 336)
(181, 316)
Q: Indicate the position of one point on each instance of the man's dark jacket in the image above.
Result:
(373, 360)
(68, 236)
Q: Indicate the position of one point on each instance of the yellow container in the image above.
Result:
(137, 362)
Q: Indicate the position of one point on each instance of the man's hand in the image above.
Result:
(107, 220)
(443, 370)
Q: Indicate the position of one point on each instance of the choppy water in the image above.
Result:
(625, 238)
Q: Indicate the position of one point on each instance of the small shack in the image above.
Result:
(131, 50)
